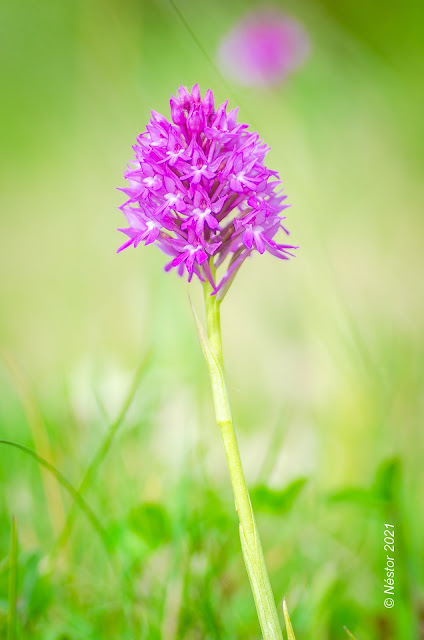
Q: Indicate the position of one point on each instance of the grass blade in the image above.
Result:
(66, 485)
(37, 426)
(351, 636)
(104, 447)
(13, 582)
(289, 628)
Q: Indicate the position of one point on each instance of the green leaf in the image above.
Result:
(384, 489)
(151, 522)
(355, 495)
(387, 479)
(274, 501)
(351, 636)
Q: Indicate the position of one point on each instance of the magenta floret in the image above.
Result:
(200, 191)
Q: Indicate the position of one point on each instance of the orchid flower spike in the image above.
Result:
(199, 190)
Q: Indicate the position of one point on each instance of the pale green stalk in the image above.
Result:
(13, 582)
(249, 536)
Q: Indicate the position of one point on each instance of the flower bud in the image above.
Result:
(184, 98)
(208, 103)
(195, 94)
(177, 113)
(196, 120)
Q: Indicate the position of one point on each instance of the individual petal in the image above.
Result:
(248, 237)
(126, 244)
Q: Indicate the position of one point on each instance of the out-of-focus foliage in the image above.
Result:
(324, 354)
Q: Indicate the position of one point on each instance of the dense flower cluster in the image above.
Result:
(200, 191)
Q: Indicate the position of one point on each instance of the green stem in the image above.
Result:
(249, 536)
(13, 581)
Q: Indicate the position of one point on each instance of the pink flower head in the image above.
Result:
(263, 48)
(200, 191)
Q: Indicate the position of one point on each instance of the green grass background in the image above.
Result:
(324, 354)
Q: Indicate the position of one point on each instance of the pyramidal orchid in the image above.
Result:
(199, 190)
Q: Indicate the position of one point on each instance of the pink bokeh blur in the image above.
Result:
(263, 48)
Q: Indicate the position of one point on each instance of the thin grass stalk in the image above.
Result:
(102, 450)
(66, 485)
(40, 437)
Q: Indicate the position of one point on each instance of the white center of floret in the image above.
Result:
(201, 213)
(172, 197)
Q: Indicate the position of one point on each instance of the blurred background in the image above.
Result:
(324, 354)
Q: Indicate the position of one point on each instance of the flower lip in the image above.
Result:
(200, 191)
